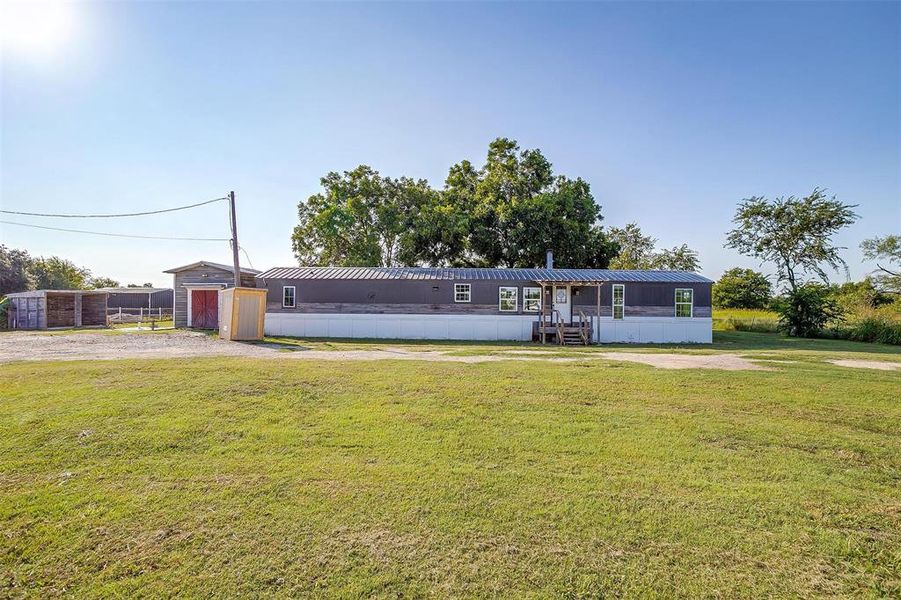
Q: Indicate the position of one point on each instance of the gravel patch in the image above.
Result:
(880, 365)
(724, 362)
(36, 346)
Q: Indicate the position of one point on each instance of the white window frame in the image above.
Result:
(613, 301)
(500, 299)
(293, 296)
(690, 303)
(525, 300)
(462, 288)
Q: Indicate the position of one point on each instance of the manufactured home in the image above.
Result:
(196, 289)
(551, 305)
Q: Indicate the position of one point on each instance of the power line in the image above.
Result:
(247, 256)
(120, 235)
(137, 214)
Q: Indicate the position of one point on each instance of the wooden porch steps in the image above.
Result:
(572, 336)
(573, 333)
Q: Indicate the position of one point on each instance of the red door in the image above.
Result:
(205, 309)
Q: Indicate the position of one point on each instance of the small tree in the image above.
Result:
(103, 282)
(856, 295)
(637, 251)
(805, 311)
(794, 233)
(742, 288)
(888, 250)
(679, 258)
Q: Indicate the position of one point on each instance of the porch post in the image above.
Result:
(598, 338)
(541, 316)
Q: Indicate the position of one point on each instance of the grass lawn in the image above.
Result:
(220, 477)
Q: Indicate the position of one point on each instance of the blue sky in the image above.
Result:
(672, 112)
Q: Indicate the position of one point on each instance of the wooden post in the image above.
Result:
(234, 220)
(541, 321)
(598, 338)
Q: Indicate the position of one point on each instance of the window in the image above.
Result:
(531, 299)
(288, 296)
(507, 299)
(462, 292)
(684, 302)
(619, 300)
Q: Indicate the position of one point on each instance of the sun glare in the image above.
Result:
(35, 27)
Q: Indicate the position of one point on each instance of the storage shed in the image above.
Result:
(196, 292)
(242, 312)
(46, 309)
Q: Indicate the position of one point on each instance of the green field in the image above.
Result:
(224, 477)
(745, 319)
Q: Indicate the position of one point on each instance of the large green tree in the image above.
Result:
(887, 252)
(508, 212)
(15, 271)
(20, 272)
(56, 273)
(358, 219)
(742, 288)
(795, 234)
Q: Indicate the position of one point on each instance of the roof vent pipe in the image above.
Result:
(549, 262)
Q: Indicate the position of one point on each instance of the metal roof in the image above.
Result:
(472, 274)
(206, 263)
(134, 290)
(37, 293)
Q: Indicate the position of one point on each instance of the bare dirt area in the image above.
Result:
(879, 365)
(723, 362)
(39, 346)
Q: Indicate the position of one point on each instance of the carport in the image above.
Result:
(47, 309)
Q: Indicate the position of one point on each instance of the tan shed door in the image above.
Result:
(248, 316)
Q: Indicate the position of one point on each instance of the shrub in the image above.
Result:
(742, 288)
(806, 311)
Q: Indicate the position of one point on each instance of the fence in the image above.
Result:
(138, 315)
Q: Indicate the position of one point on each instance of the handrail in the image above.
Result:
(560, 326)
(584, 328)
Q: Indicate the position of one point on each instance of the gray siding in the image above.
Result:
(436, 297)
(646, 299)
(126, 300)
(201, 276)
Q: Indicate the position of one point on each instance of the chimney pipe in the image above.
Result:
(549, 263)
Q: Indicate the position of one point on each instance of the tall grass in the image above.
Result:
(880, 325)
(745, 319)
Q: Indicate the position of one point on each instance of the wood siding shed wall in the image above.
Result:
(204, 275)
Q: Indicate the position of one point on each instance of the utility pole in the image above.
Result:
(231, 203)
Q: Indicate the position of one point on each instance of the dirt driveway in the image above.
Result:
(41, 346)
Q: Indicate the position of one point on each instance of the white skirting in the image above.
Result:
(478, 327)
(656, 330)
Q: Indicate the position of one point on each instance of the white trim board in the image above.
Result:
(189, 287)
(477, 327)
